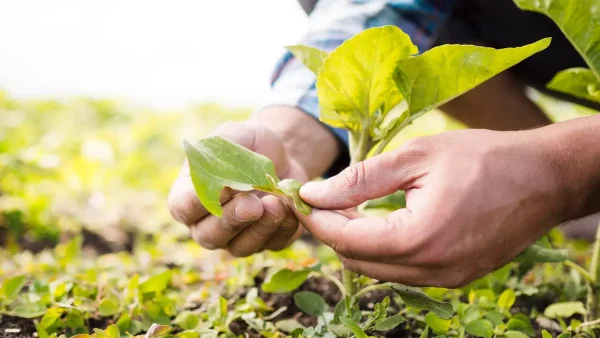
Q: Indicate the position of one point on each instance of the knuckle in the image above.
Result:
(417, 146)
(355, 175)
(182, 206)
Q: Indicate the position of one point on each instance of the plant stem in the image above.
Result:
(390, 136)
(374, 287)
(335, 281)
(582, 271)
(593, 292)
(590, 323)
(595, 263)
(359, 149)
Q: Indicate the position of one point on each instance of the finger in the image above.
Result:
(214, 233)
(373, 178)
(258, 139)
(366, 238)
(289, 229)
(183, 202)
(253, 237)
(407, 275)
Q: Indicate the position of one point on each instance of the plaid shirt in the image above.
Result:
(333, 21)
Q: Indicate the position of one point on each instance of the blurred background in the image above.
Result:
(97, 96)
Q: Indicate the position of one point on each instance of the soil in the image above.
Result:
(9, 326)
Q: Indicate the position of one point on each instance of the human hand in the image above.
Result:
(251, 222)
(475, 200)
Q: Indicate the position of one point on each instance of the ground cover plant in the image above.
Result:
(156, 283)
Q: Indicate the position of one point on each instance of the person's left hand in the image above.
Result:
(475, 200)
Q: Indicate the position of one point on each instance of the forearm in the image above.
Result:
(574, 150)
(306, 140)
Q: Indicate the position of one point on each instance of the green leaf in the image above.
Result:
(285, 280)
(187, 320)
(445, 72)
(546, 334)
(188, 334)
(520, 322)
(538, 254)
(291, 188)
(564, 335)
(414, 297)
(216, 163)
(29, 310)
(40, 330)
(108, 307)
(438, 325)
(515, 334)
(157, 283)
(507, 299)
(310, 302)
(311, 57)
(158, 331)
(480, 328)
(350, 324)
(389, 323)
(425, 333)
(579, 82)
(565, 310)
(289, 325)
(356, 82)
(12, 286)
(519, 325)
(495, 317)
(579, 21)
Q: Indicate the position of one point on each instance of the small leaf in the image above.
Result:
(108, 307)
(445, 72)
(414, 297)
(495, 317)
(157, 331)
(12, 286)
(425, 333)
(507, 299)
(480, 328)
(291, 188)
(389, 323)
(187, 320)
(285, 280)
(438, 325)
(289, 325)
(515, 334)
(157, 283)
(40, 330)
(29, 310)
(112, 331)
(391, 202)
(546, 334)
(565, 310)
(311, 57)
(310, 302)
(579, 82)
(350, 324)
(216, 163)
(538, 254)
(188, 334)
(564, 335)
(521, 323)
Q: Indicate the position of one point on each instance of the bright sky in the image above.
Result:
(162, 54)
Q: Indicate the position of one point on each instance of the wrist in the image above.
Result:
(573, 151)
(306, 140)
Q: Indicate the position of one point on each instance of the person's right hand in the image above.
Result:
(251, 222)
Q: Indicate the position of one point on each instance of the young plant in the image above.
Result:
(373, 85)
(580, 23)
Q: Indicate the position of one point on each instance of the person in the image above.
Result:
(476, 197)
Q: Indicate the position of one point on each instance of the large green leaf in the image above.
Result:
(356, 82)
(579, 21)
(311, 57)
(356, 330)
(216, 163)
(310, 302)
(579, 82)
(480, 328)
(445, 72)
(565, 310)
(285, 280)
(414, 297)
(12, 286)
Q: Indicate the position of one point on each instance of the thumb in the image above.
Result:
(373, 178)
